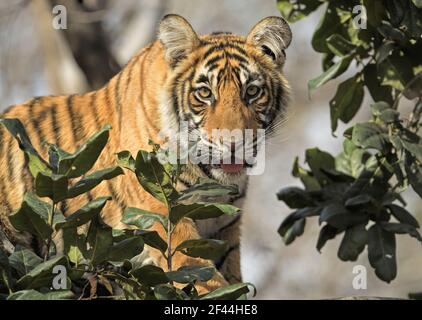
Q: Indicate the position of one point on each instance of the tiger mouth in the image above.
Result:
(229, 167)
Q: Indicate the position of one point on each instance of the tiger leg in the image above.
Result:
(229, 263)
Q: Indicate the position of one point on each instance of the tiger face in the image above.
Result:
(225, 86)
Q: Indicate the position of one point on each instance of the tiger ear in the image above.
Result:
(178, 37)
(273, 36)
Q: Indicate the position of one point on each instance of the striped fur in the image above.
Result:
(156, 89)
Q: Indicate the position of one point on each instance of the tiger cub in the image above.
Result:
(215, 81)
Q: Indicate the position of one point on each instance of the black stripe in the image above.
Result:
(186, 183)
(214, 66)
(225, 227)
(115, 196)
(26, 176)
(3, 193)
(2, 129)
(237, 57)
(72, 116)
(8, 179)
(117, 99)
(10, 162)
(205, 169)
(35, 119)
(210, 63)
(93, 108)
(221, 261)
(55, 125)
(64, 207)
(131, 67)
(223, 47)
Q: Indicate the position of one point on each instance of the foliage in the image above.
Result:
(102, 262)
(358, 191)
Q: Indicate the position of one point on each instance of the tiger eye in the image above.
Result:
(204, 92)
(252, 91)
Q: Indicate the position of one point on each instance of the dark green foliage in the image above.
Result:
(358, 191)
(101, 262)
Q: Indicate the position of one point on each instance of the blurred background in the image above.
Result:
(102, 35)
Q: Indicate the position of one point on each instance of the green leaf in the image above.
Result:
(375, 11)
(125, 160)
(126, 249)
(402, 215)
(153, 177)
(414, 87)
(199, 211)
(55, 154)
(207, 190)
(24, 260)
(414, 173)
(143, 219)
(79, 163)
(327, 233)
(52, 186)
(232, 292)
(370, 136)
(359, 201)
(353, 243)
(347, 101)
(384, 51)
(84, 215)
(382, 253)
(412, 143)
(191, 274)
(339, 217)
(203, 248)
(391, 33)
(289, 222)
(320, 162)
(373, 83)
(32, 217)
(334, 71)
(401, 228)
(36, 163)
(331, 22)
(153, 239)
(99, 241)
(309, 181)
(296, 230)
(293, 12)
(42, 275)
(339, 45)
(396, 72)
(35, 295)
(295, 197)
(417, 3)
(6, 279)
(150, 275)
(168, 292)
(91, 181)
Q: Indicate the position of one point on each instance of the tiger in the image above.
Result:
(213, 81)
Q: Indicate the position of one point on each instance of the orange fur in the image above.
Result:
(134, 103)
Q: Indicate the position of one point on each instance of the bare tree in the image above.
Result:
(88, 41)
